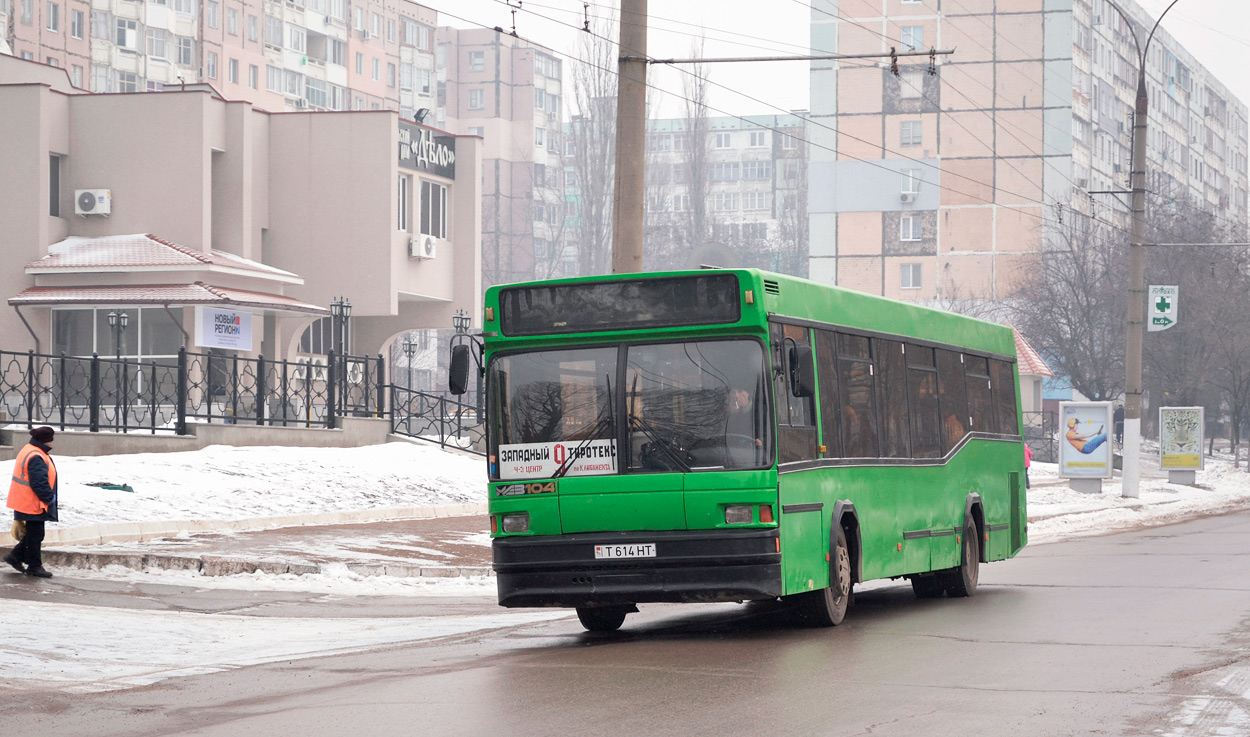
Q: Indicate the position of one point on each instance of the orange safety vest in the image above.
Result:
(22, 498)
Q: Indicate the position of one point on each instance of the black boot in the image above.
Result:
(39, 572)
(13, 561)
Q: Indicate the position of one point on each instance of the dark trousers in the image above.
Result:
(27, 551)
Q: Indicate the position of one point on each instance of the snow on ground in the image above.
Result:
(222, 482)
(100, 648)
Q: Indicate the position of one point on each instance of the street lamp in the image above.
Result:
(118, 321)
(410, 350)
(341, 313)
(1135, 322)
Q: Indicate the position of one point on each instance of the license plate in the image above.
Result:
(640, 550)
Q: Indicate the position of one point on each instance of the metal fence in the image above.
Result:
(162, 395)
(1040, 433)
(438, 418)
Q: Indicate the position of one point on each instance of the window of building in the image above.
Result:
(424, 77)
(910, 277)
(184, 7)
(360, 63)
(212, 65)
(273, 31)
(722, 140)
(789, 143)
(540, 99)
(755, 201)
(911, 181)
(211, 8)
(725, 201)
(297, 38)
(724, 171)
(232, 21)
(477, 61)
(433, 209)
(54, 186)
(315, 93)
(28, 12)
(759, 138)
(410, 32)
(100, 79)
(358, 18)
(75, 76)
(390, 74)
(186, 51)
(912, 37)
(377, 70)
(376, 25)
(253, 28)
(390, 30)
(127, 82)
(253, 76)
(402, 204)
(157, 43)
(54, 18)
(909, 230)
(127, 34)
(757, 169)
(99, 24)
(336, 52)
(540, 136)
(232, 70)
(76, 21)
(911, 84)
(910, 133)
(477, 100)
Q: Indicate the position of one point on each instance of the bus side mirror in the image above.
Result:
(458, 374)
(802, 371)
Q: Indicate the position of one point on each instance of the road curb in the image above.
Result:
(217, 565)
(132, 532)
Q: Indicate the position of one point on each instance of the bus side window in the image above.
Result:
(796, 416)
(858, 395)
(892, 397)
(980, 398)
(922, 394)
(953, 397)
(1003, 380)
(827, 379)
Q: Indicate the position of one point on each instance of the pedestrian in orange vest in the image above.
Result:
(32, 497)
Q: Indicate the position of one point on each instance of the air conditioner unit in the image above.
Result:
(301, 102)
(422, 247)
(907, 197)
(93, 202)
(1118, 168)
(1082, 183)
(327, 20)
(364, 33)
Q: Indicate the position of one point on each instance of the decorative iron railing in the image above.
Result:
(438, 419)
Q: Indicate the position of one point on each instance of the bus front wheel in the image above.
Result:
(827, 607)
(602, 618)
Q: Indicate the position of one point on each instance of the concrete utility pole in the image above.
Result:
(1134, 324)
(631, 139)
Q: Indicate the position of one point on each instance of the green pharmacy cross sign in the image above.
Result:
(1162, 312)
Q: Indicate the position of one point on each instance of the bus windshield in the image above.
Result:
(688, 406)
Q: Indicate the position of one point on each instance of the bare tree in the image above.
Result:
(593, 137)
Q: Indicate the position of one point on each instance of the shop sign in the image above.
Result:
(427, 150)
(218, 328)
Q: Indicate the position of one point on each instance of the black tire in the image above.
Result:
(602, 618)
(928, 586)
(827, 607)
(963, 580)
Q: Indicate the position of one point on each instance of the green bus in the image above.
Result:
(734, 434)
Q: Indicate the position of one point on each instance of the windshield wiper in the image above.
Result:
(594, 433)
(659, 442)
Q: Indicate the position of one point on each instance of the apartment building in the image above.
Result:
(511, 93)
(941, 181)
(267, 217)
(302, 54)
(752, 180)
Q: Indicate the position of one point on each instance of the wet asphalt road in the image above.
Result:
(1119, 635)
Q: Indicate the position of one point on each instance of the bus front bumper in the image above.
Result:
(688, 566)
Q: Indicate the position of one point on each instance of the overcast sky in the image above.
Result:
(1217, 32)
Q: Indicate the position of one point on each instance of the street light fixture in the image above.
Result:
(118, 321)
(461, 321)
(410, 350)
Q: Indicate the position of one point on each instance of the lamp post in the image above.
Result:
(341, 314)
(410, 350)
(118, 321)
(1135, 321)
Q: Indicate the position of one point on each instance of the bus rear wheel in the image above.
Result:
(827, 607)
(602, 618)
(963, 580)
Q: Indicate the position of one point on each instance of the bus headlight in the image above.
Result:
(515, 522)
(739, 514)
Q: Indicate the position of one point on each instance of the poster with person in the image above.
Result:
(1180, 438)
(1083, 448)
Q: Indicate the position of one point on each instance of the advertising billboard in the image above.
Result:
(218, 328)
(1180, 438)
(1084, 440)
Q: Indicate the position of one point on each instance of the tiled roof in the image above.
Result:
(140, 251)
(197, 293)
(1028, 360)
